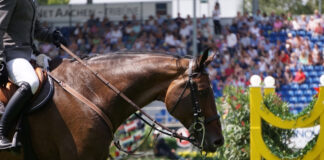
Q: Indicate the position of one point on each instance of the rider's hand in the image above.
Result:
(3, 74)
(58, 38)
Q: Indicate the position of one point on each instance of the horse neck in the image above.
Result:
(143, 79)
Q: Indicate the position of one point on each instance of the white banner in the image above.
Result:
(303, 136)
(80, 13)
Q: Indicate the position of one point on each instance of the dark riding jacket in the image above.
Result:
(18, 28)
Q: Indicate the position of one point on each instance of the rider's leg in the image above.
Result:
(21, 73)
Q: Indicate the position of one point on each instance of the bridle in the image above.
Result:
(197, 127)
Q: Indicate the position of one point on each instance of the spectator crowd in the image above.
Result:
(252, 44)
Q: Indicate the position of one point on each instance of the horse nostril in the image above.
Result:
(219, 142)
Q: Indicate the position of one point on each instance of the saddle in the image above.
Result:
(43, 94)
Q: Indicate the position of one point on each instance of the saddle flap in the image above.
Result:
(10, 88)
(42, 77)
(43, 94)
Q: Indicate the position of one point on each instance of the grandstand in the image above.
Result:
(300, 95)
(295, 94)
(263, 44)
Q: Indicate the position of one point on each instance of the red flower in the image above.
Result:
(316, 89)
(243, 150)
(238, 106)
(242, 90)
(129, 148)
(242, 123)
(234, 98)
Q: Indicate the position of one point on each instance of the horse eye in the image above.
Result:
(203, 92)
(194, 75)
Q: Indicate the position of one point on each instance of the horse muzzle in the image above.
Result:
(212, 144)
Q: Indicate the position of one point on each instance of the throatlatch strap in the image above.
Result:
(86, 101)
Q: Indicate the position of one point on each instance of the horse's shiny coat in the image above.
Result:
(68, 130)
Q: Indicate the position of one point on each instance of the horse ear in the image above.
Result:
(210, 59)
(205, 60)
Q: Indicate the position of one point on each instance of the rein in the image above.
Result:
(122, 95)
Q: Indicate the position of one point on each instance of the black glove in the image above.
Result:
(3, 74)
(58, 38)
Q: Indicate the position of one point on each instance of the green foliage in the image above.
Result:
(283, 6)
(147, 144)
(193, 155)
(281, 109)
(171, 142)
(234, 107)
(278, 139)
(150, 141)
(236, 125)
(52, 2)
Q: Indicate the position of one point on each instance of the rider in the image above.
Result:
(18, 27)
(162, 149)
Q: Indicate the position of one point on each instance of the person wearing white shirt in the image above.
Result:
(295, 24)
(184, 30)
(262, 65)
(231, 41)
(311, 25)
(216, 19)
(253, 53)
(264, 18)
(255, 30)
(245, 41)
(257, 17)
(116, 34)
(170, 40)
(302, 22)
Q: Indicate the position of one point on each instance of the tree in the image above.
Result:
(283, 6)
(51, 2)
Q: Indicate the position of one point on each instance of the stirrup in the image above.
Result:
(6, 145)
(15, 143)
(10, 145)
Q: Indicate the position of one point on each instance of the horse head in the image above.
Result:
(190, 99)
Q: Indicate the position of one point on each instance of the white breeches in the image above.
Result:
(20, 70)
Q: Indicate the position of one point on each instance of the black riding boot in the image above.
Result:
(12, 112)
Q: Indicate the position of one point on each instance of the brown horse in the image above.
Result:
(66, 129)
